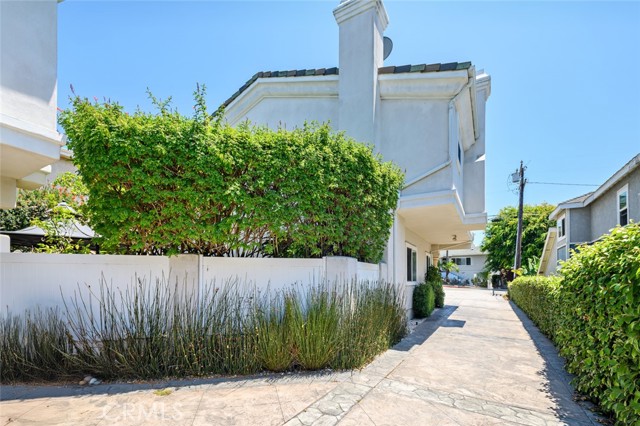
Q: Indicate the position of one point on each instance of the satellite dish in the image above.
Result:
(387, 47)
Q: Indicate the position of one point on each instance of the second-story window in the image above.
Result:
(561, 227)
(623, 206)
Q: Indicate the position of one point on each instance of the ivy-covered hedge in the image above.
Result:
(164, 183)
(597, 326)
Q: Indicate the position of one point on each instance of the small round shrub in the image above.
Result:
(423, 300)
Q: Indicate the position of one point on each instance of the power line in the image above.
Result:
(563, 184)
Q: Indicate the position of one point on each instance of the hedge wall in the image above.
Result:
(593, 315)
(164, 184)
(537, 297)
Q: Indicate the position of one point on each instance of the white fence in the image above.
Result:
(28, 280)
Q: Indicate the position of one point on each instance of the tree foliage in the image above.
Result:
(53, 208)
(500, 235)
(164, 183)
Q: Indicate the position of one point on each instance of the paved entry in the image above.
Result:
(475, 362)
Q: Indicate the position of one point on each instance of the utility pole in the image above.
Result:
(519, 177)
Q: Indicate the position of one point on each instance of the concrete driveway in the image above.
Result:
(478, 361)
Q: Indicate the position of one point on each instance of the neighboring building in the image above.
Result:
(29, 142)
(428, 119)
(470, 261)
(585, 219)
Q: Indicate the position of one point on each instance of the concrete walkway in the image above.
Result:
(478, 361)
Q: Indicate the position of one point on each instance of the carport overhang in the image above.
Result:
(440, 219)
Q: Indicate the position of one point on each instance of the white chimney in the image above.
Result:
(362, 24)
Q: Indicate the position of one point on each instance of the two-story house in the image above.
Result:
(29, 141)
(585, 219)
(429, 119)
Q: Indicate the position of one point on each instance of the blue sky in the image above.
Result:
(565, 87)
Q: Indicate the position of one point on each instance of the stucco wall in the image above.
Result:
(604, 210)
(28, 70)
(414, 135)
(579, 223)
(28, 280)
(292, 112)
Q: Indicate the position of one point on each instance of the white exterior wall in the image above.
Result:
(28, 94)
(287, 101)
(413, 133)
(263, 273)
(29, 280)
(476, 267)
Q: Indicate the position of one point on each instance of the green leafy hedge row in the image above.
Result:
(165, 183)
(593, 314)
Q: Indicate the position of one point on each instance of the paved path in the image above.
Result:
(478, 361)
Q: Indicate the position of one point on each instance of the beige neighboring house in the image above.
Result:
(427, 118)
(470, 261)
(585, 219)
(29, 141)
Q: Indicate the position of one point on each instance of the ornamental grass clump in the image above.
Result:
(274, 342)
(156, 329)
(34, 346)
(373, 320)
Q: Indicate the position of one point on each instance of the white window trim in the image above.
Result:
(415, 249)
(564, 235)
(618, 210)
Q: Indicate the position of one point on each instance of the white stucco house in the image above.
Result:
(470, 261)
(29, 141)
(429, 119)
(585, 219)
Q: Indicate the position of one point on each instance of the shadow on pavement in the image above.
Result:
(557, 381)
(438, 319)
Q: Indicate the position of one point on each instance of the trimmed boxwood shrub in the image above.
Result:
(424, 300)
(592, 312)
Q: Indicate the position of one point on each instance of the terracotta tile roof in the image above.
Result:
(421, 68)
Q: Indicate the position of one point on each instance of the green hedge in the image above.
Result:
(537, 297)
(164, 184)
(593, 315)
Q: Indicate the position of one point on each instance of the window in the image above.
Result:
(412, 264)
(459, 153)
(623, 206)
(460, 261)
(561, 227)
(562, 253)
